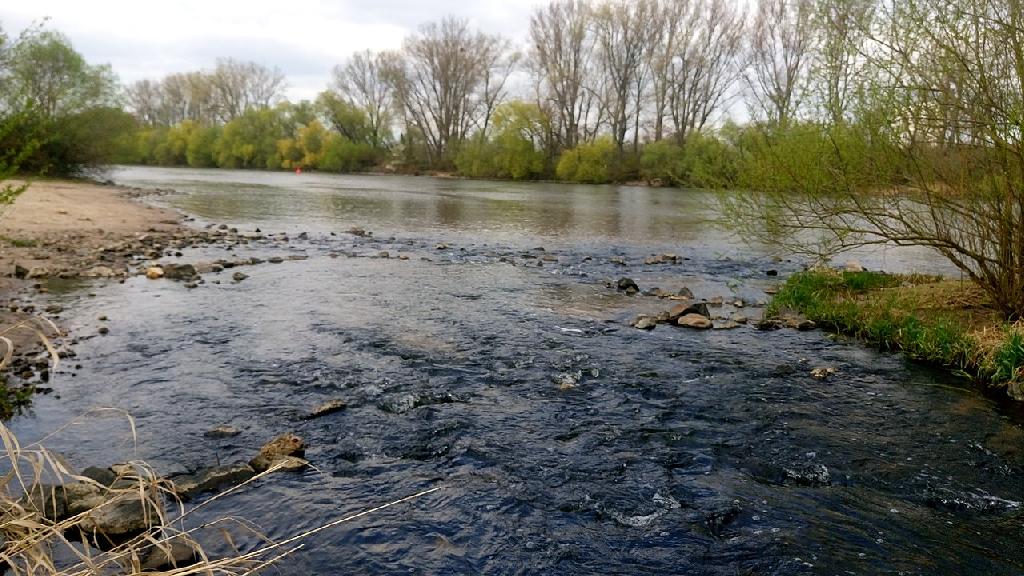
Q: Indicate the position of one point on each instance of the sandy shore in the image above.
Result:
(70, 229)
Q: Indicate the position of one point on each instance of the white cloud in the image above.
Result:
(305, 38)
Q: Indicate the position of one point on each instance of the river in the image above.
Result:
(676, 452)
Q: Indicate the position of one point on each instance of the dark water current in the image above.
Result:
(678, 452)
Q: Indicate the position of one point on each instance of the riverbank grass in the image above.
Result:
(931, 319)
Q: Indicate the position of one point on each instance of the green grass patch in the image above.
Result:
(13, 399)
(19, 242)
(929, 319)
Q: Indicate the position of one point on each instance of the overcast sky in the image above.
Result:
(304, 38)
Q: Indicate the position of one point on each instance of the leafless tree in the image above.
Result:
(363, 82)
(187, 96)
(144, 99)
(781, 45)
(561, 53)
(442, 81)
(622, 31)
(705, 63)
(241, 86)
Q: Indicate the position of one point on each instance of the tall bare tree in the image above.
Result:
(363, 83)
(561, 51)
(442, 81)
(622, 31)
(705, 64)
(781, 45)
(237, 87)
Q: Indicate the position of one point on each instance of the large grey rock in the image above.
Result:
(214, 479)
(123, 515)
(176, 552)
(179, 271)
(627, 285)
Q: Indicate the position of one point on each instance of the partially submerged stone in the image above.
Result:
(286, 448)
(682, 309)
(695, 321)
(645, 322)
(179, 271)
(627, 285)
(222, 432)
(154, 272)
(822, 372)
(326, 408)
(213, 479)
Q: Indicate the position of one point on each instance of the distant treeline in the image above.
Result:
(600, 91)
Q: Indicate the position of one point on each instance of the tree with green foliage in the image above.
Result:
(934, 158)
(250, 141)
(516, 150)
(589, 163)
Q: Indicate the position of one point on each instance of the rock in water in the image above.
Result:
(214, 479)
(326, 408)
(628, 286)
(20, 271)
(287, 448)
(695, 321)
(683, 309)
(822, 373)
(645, 322)
(222, 432)
(238, 276)
(685, 292)
(176, 552)
(568, 380)
(154, 272)
(122, 516)
(179, 271)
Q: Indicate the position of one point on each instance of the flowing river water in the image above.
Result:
(676, 452)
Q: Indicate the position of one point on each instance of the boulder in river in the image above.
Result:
(683, 309)
(286, 449)
(179, 271)
(20, 271)
(213, 479)
(239, 276)
(154, 272)
(695, 321)
(168, 554)
(627, 285)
